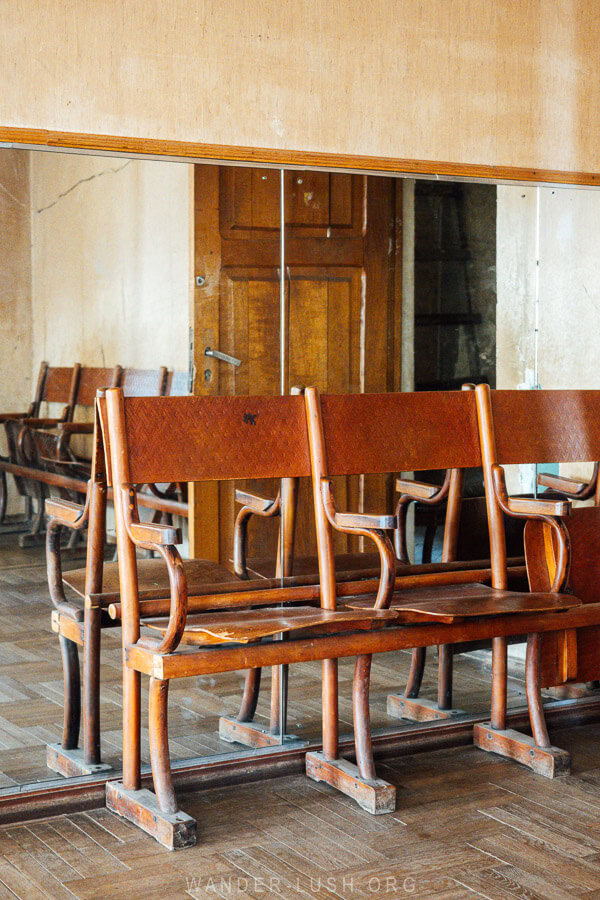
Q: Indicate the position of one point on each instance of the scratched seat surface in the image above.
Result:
(153, 574)
(245, 626)
(451, 603)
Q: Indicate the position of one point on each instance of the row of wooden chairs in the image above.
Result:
(181, 632)
(40, 452)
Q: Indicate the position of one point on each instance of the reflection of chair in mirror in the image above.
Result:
(412, 432)
(79, 621)
(54, 385)
(527, 428)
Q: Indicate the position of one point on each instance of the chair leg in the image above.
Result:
(534, 693)
(362, 718)
(535, 752)
(91, 686)
(357, 781)
(410, 706)
(35, 536)
(72, 714)
(157, 814)
(250, 695)
(3, 495)
(415, 675)
(159, 745)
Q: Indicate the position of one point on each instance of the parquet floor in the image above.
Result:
(467, 825)
(31, 689)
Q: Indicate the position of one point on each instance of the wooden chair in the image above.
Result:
(411, 432)
(561, 544)
(78, 621)
(54, 385)
(213, 438)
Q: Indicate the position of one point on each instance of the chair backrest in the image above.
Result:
(57, 384)
(541, 426)
(166, 439)
(144, 382)
(92, 379)
(178, 384)
(396, 432)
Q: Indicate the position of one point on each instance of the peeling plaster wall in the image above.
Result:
(15, 290)
(110, 261)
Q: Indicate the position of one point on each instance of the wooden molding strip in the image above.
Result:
(190, 151)
(63, 796)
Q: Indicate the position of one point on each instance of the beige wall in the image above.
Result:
(568, 292)
(110, 261)
(15, 286)
(506, 83)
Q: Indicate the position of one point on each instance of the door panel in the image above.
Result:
(343, 312)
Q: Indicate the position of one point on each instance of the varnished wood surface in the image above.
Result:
(153, 575)
(468, 825)
(31, 690)
(243, 626)
(454, 602)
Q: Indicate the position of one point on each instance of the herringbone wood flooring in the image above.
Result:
(467, 824)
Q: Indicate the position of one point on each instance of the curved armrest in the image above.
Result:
(65, 512)
(253, 505)
(256, 504)
(42, 423)
(7, 417)
(76, 427)
(62, 513)
(154, 533)
(549, 511)
(373, 527)
(417, 490)
(570, 486)
(525, 507)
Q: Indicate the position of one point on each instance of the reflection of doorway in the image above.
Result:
(344, 311)
(455, 284)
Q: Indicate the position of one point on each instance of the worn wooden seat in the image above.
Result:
(453, 603)
(246, 626)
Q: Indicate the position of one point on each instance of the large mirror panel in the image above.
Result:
(240, 280)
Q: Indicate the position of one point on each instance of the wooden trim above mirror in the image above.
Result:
(181, 151)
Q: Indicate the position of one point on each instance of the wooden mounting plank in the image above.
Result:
(175, 832)
(375, 796)
(252, 735)
(547, 761)
(71, 764)
(418, 709)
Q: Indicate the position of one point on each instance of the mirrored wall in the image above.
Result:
(243, 280)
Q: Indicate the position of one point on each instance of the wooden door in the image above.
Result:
(342, 278)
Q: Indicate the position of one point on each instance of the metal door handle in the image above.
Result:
(224, 357)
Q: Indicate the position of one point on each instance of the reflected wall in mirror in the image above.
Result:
(387, 284)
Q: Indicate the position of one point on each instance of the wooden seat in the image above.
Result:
(245, 626)
(454, 603)
(153, 576)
